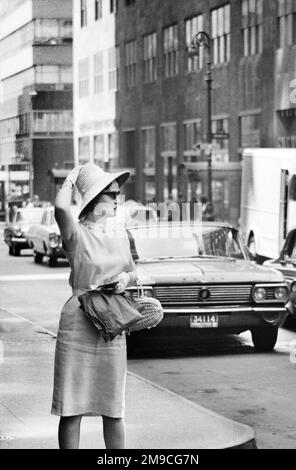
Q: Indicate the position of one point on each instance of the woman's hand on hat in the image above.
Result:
(73, 175)
(122, 280)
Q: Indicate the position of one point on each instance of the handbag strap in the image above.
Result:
(140, 290)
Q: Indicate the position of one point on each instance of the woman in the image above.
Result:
(90, 374)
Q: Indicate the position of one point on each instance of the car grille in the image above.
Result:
(189, 295)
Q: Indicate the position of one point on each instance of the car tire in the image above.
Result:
(52, 261)
(16, 250)
(38, 258)
(264, 338)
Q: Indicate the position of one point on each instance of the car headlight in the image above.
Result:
(18, 233)
(293, 287)
(259, 294)
(282, 294)
(53, 240)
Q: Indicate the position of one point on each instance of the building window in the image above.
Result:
(83, 13)
(99, 72)
(220, 140)
(252, 27)
(83, 77)
(170, 50)
(98, 9)
(131, 63)
(129, 2)
(113, 6)
(54, 74)
(286, 23)
(150, 58)
(53, 31)
(113, 153)
(83, 149)
(220, 27)
(192, 27)
(113, 68)
(149, 158)
(53, 122)
(250, 130)
(169, 158)
(99, 150)
(192, 140)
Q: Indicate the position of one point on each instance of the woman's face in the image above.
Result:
(106, 205)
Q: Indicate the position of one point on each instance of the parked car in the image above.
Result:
(206, 282)
(16, 230)
(286, 264)
(45, 238)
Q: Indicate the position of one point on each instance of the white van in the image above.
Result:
(268, 199)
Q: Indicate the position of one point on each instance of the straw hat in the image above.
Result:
(92, 180)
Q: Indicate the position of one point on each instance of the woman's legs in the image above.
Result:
(69, 432)
(114, 432)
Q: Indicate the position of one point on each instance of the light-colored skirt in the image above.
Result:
(89, 373)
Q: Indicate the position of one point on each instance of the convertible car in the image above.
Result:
(206, 282)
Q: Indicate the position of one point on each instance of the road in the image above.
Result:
(224, 374)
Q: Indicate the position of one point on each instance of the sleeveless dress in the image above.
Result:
(89, 373)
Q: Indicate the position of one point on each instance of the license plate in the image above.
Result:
(204, 321)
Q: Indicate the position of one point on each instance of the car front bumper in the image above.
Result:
(231, 318)
(20, 241)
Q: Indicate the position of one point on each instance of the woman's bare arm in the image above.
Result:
(63, 214)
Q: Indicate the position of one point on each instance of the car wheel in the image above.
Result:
(52, 261)
(16, 250)
(38, 257)
(264, 338)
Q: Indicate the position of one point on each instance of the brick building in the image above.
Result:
(36, 130)
(140, 100)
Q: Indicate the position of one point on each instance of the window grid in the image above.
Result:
(286, 23)
(192, 139)
(113, 68)
(83, 78)
(220, 27)
(131, 63)
(170, 50)
(113, 6)
(99, 72)
(98, 9)
(150, 49)
(252, 26)
(192, 27)
(83, 13)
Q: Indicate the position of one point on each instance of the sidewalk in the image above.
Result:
(155, 417)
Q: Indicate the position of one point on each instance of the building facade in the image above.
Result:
(36, 100)
(141, 100)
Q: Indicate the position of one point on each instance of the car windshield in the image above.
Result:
(32, 216)
(163, 242)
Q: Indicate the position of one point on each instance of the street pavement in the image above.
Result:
(156, 418)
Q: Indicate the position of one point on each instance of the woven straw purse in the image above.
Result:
(150, 309)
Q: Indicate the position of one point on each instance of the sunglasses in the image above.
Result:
(112, 194)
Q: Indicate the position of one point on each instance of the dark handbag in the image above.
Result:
(109, 312)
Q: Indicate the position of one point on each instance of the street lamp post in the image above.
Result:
(202, 39)
(32, 93)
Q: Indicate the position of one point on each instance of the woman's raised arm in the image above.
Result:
(62, 205)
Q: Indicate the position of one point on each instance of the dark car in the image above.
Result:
(286, 264)
(206, 282)
(15, 231)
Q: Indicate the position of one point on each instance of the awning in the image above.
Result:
(59, 173)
